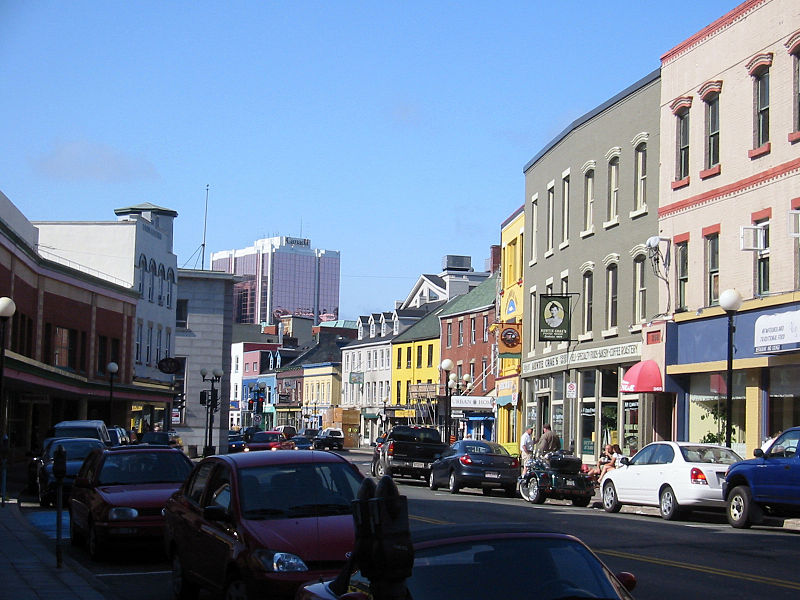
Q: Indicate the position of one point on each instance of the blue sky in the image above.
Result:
(394, 132)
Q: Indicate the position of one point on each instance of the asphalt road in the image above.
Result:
(697, 559)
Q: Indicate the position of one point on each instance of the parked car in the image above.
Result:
(329, 438)
(235, 443)
(119, 437)
(475, 464)
(268, 440)
(87, 428)
(376, 454)
(260, 524)
(302, 442)
(767, 485)
(289, 431)
(309, 433)
(483, 561)
(162, 438)
(409, 450)
(77, 450)
(119, 494)
(674, 476)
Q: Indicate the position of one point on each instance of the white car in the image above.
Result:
(674, 476)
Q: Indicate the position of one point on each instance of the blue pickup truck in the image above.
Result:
(767, 485)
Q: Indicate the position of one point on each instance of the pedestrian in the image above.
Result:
(526, 449)
(548, 442)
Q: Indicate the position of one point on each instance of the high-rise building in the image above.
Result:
(282, 276)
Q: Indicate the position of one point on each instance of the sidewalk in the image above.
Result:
(28, 559)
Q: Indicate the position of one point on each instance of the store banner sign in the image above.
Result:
(777, 333)
(471, 402)
(554, 319)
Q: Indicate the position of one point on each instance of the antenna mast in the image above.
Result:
(203, 245)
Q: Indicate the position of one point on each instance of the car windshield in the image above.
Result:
(155, 437)
(235, 438)
(299, 490)
(264, 436)
(144, 467)
(705, 454)
(488, 568)
(75, 449)
(84, 432)
(484, 448)
(416, 435)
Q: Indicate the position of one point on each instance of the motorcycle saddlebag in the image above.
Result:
(564, 463)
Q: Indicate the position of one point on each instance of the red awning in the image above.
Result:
(644, 376)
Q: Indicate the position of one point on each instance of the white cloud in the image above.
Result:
(93, 161)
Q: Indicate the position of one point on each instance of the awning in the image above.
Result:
(504, 400)
(644, 376)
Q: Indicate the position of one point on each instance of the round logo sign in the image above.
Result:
(510, 337)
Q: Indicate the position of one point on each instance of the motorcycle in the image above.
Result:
(557, 475)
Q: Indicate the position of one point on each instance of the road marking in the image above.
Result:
(429, 520)
(132, 573)
(710, 570)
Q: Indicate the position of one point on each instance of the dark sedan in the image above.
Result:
(77, 450)
(301, 442)
(483, 561)
(119, 495)
(261, 524)
(475, 464)
(268, 440)
(235, 443)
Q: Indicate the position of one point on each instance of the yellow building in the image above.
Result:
(415, 370)
(510, 421)
(322, 391)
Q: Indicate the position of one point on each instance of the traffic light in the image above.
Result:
(250, 404)
(178, 402)
(203, 397)
(260, 406)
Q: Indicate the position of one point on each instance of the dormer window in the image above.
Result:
(361, 332)
(372, 329)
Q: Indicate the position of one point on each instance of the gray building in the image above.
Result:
(204, 327)
(591, 203)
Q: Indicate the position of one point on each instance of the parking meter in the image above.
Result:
(59, 464)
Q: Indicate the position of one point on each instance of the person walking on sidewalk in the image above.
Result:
(526, 449)
(549, 441)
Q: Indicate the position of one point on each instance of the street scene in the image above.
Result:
(472, 301)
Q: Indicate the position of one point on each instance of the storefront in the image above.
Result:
(473, 416)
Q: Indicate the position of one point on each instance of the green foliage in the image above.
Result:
(716, 413)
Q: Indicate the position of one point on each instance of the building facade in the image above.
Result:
(730, 194)
(282, 276)
(591, 204)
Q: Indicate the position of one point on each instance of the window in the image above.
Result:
(149, 347)
(142, 274)
(611, 296)
(461, 333)
(369, 361)
(162, 278)
(139, 343)
(565, 210)
(182, 314)
(550, 217)
(532, 321)
(158, 345)
(534, 224)
(613, 188)
(683, 144)
(170, 285)
(399, 358)
(168, 343)
(762, 262)
(588, 200)
(151, 282)
(408, 357)
(588, 290)
(640, 290)
(449, 334)
(65, 346)
(640, 167)
(712, 131)
(761, 81)
(712, 269)
(483, 374)
(485, 328)
(472, 330)
(419, 357)
(430, 355)
(682, 273)
(796, 99)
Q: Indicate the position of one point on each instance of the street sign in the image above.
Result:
(256, 419)
(572, 389)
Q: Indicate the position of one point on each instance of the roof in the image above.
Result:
(644, 81)
(480, 297)
(341, 323)
(426, 328)
(145, 207)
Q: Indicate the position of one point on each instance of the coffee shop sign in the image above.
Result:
(576, 357)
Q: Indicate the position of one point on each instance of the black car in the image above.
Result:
(475, 464)
(77, 450)
(235, 443)
(330, 439)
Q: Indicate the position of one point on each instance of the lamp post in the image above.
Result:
(7, 310)
(211, 407)
(457, 387)
(112, 369)
(731, 301)
(447, 366)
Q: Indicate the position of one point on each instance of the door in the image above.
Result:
(777, 478)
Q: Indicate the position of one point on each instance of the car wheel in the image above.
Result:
(670, 510)
(453, 484)
(381, 470)
(740, 502)
(581, 501)
(431, 482)
(535, 491)
(524, 490)
(96, 545)
(181, 587)
(236, 590)
(610, 502)
(486, 491)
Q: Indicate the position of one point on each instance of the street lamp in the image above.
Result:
(7, 310)
(447, 366)
(112, 369)
(731, 301)
(211, 407)
(457, 387)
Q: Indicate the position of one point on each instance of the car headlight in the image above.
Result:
(246, 449)
(122, 513)
(281, 562)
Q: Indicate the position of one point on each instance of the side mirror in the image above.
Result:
(624, 460)
(628, 580)
(215, 512)
(758, 453)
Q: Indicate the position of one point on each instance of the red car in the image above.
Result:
(483, 561)
(119, 493)
(268, 440)
(261, 524)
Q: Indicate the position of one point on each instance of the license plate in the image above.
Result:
(418, 465)
(570, 482)
(492, 475)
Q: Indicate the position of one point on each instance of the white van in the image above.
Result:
(90, 428)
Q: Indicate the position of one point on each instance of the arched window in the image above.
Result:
(170, 285)
(162, 278)
(611, 296)
(639, 290)
(142, 273)
(151, 281)
(640, 175)
(588, 291)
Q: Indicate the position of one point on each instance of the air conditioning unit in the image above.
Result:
(752, 238)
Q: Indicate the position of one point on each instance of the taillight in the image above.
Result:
(514, 463)
(390, 449)
(697, 476)
(465, 460)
